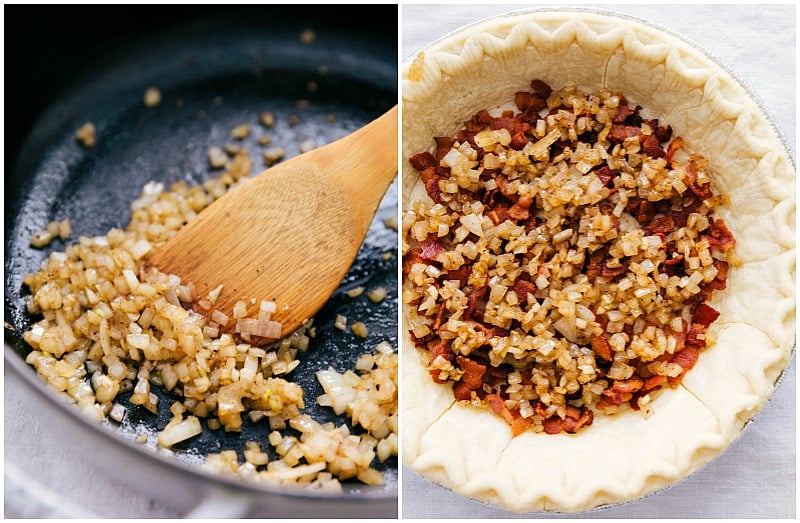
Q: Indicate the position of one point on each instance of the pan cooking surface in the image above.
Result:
(212, 78)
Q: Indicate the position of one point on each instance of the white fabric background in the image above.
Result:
(755, 478)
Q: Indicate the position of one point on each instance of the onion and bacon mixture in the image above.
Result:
(564, 260)
(111, 325)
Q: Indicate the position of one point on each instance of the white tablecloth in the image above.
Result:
(756, 476)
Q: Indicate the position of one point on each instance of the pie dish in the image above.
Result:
(483, 66)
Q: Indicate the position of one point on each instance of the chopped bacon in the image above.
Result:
(610, 273)
(498, 406)
(422, 161)
(705, 315)
(430, 178)
(520, 425)
(678, 336)
(703, 191)
(443, 146)
(461, 274)
(661, 133)
(553, 425)
(518, 141)
(529, 102)
(686, 358)
(616, 397)
(606, 175)
(499, 214)
(496, 375)
(541, 88)
(663, 225)
(574, 419)
(620, 133)
(653, 383)
(623, 111)
(473, 372)
(720, 280)
(674, 146)
(509, 124)
(595, 266)
(441, 348)
(461, 391)
(720, 237)
(692, 337)
(410, 258)
(476, 303)
(652, 148)
(430, 249)
(601, 347)
(630, 385)
(522, 288)
(521, 209)
(577, 418)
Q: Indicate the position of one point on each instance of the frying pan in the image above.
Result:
(216, 68)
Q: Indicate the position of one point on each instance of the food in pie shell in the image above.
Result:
(627, 455)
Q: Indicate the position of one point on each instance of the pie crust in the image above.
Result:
(625, 456)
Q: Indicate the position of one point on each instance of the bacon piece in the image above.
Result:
(430, 249)
(577, 418)
(685, 358)
(692, 337)
(674, 146)
(652, 148)
(703, 191)
(443, 146)
(520, 425)
(720, 280)
(623, 112)
(518, 141)
(630, 385)
(498, 406)
(529, 102)
(522, 288)
(473, 372)
(499, 214)
(521, 209)
(720, 237)
(461, 391)
(441, 348)
(615, 397)
(430, 178)
(705, 315)
(476, 303)
(610, 273)
(606, 175)
(410, 258)
(496, 375)
(595, 266)
(620, 133)
(663, 225)
(654, 382)
(422, 161)
(601, 347)
(541, 88)
(461, 274)
(553, 425)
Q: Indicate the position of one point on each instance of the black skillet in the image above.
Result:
(216, 68)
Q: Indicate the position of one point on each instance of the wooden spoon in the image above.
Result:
(289, 234)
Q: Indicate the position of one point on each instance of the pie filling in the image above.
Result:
(563, 262)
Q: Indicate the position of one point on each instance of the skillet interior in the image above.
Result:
(215, 70)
